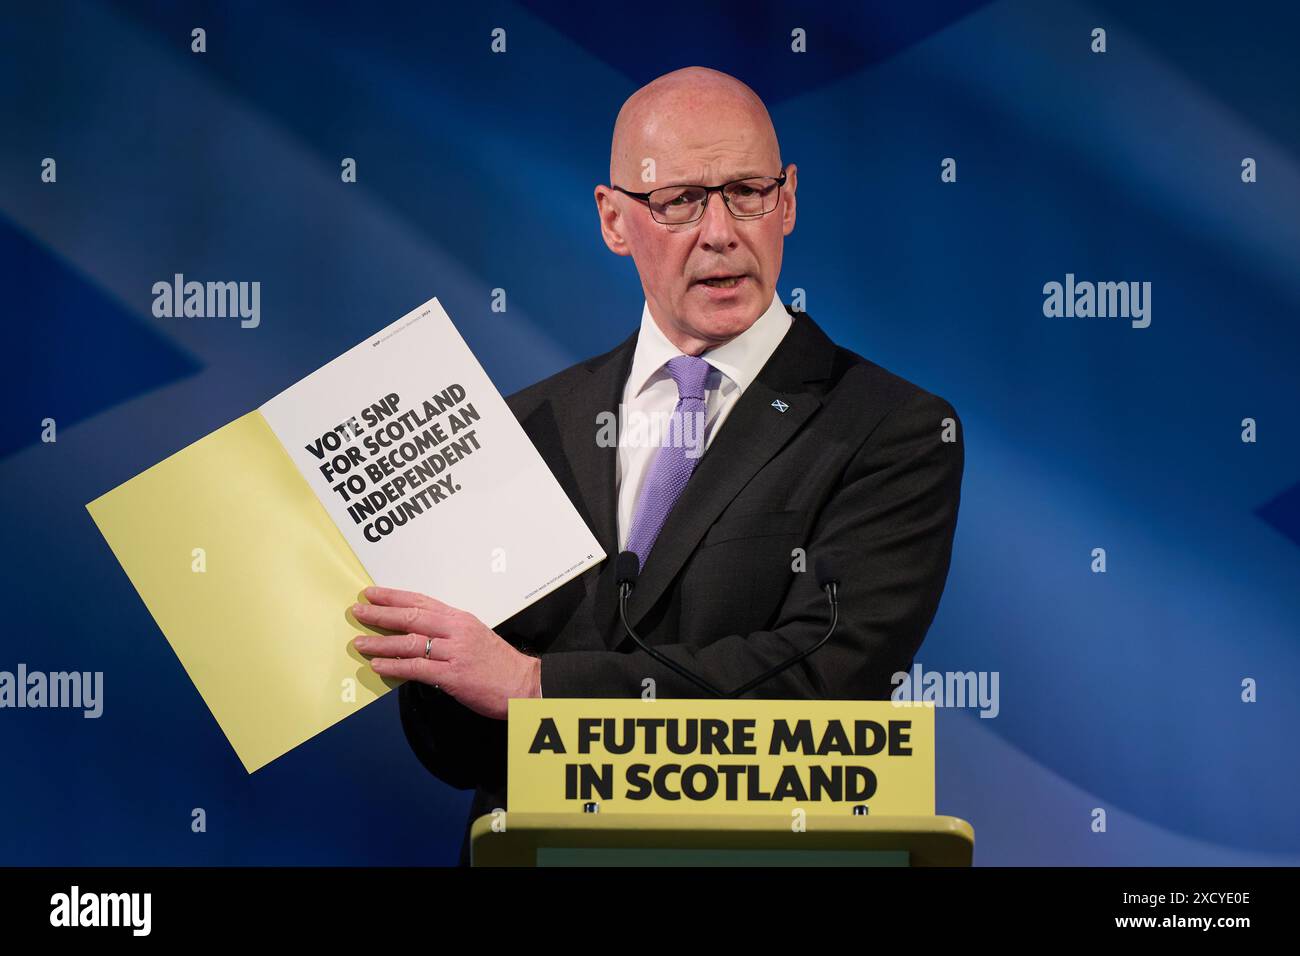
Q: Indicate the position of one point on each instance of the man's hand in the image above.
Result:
(466, 659)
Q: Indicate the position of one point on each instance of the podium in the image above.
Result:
(526, 839)
(687, 782)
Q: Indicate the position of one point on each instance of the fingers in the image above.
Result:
(410, 619)
(410, 668)
(392, 597)
(401, 645)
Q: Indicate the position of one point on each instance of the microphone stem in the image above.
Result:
(666, 661)
(768, 675)
(831, 596)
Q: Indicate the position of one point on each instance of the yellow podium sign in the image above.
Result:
(720, 756)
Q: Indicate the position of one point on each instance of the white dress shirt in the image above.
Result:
(650, 394)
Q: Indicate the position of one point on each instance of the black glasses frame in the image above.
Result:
(708, 191)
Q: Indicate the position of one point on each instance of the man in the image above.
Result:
(824, 456)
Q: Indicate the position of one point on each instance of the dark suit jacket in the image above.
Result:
(854, 471)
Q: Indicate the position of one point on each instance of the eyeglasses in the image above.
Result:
(744, 199)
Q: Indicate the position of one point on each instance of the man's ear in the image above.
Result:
(787, 216)
(611, 221)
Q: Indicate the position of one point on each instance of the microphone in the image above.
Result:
(627, 568)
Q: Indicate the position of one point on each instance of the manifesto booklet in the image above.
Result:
(397, 464)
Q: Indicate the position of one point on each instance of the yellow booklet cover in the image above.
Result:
(398, 464)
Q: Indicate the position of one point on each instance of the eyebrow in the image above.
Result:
(731, 178)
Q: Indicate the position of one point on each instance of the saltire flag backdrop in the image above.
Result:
(1125, 584)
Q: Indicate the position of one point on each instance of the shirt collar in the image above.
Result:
(740, 359)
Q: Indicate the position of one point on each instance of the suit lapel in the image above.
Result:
(580, 417)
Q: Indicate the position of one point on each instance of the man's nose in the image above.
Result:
(717, 225)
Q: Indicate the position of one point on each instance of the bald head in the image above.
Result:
(693, 112)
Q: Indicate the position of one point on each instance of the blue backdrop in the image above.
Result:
(1119, 690)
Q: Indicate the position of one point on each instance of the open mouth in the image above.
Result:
(722, 282)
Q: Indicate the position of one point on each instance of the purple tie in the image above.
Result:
(672, 466)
